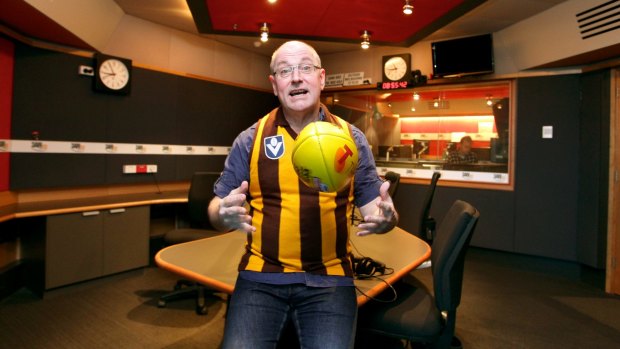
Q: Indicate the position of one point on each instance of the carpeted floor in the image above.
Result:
(509, 301)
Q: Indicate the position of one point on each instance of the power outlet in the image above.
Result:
(133, 169)
(86, 70)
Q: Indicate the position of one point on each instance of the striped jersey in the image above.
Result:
(297, 228)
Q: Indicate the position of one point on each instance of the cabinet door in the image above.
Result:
(125, 239)
(73, 249)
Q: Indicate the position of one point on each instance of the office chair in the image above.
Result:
(428, 223)
(416, 315)
(394, 179)
(199, 196)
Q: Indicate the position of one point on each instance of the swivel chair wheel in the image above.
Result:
(201, 302)
(201, 310)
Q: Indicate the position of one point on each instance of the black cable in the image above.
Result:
(156, 183)
(395, 297)
(374, 267)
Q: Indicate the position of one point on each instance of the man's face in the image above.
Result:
(465, 147)
(300, 91)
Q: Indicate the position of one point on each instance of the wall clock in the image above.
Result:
(397, 67)
(112, 74)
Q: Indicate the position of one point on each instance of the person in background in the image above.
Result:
(463, 154)
(297, 264)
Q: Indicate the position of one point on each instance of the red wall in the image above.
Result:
(431, 125)
(6, 105)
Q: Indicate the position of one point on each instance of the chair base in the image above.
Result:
(187, 289)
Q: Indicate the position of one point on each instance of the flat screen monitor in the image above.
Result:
(464, 56)
(401, 152)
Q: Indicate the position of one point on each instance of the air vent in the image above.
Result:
(600, 19)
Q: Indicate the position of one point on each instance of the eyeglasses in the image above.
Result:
(285, 72)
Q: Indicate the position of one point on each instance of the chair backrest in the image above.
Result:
(427, 223)
(448, 253)
(200, 194)
(394, 179)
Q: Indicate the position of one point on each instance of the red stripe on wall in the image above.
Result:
(7, 49)
(432, 125)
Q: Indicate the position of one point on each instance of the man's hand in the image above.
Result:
(384, 217)
(231, 211)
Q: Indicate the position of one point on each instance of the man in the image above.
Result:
(463, 155)
(297, 262)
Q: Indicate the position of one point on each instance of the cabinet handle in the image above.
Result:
(117, 210)
(90, 213)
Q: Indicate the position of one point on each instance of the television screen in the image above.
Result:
(464, 56)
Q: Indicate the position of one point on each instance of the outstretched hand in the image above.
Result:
(384, 217)
(232, 211)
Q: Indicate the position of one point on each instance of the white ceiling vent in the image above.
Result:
(599, 19)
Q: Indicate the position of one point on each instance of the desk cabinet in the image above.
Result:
(86, 245)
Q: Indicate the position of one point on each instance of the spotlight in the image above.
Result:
(264, 32)
(365, 40)
(489, 101)
(408, 8)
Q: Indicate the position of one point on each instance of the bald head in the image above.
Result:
(292, 45)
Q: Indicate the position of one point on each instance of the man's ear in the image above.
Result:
(273, 85)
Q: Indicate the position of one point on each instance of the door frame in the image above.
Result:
(612, 278)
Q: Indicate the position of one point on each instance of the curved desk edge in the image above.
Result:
(194, 276)
(13, 209)
(213, 261)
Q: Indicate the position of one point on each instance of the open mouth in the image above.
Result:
(298, 92)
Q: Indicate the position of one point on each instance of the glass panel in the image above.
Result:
(461, 130)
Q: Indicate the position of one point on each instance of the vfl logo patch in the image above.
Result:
(274, 147)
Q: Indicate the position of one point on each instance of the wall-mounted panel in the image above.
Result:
(31, 171)
(148, 114)
(547, 169)
(51, 98)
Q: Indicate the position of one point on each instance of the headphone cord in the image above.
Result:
(388, 271)
(394, 297)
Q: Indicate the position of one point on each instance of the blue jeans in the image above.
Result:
(324, 317)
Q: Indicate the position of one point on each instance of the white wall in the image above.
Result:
(547, 37)
(103, 25)
(161, 47)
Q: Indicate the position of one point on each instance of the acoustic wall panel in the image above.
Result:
(50, 97)
(148, 114)
(187, 165)
(31, 171)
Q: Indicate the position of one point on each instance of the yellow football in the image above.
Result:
(324, 156)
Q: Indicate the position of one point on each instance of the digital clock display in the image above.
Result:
(393, 85)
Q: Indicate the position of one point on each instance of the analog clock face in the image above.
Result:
(395, 68)
(114, 74)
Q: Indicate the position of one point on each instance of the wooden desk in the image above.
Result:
(71, 235)
(213, 261)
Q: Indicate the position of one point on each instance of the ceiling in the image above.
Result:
(327, 20)
(335, 25)
(329, 25)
